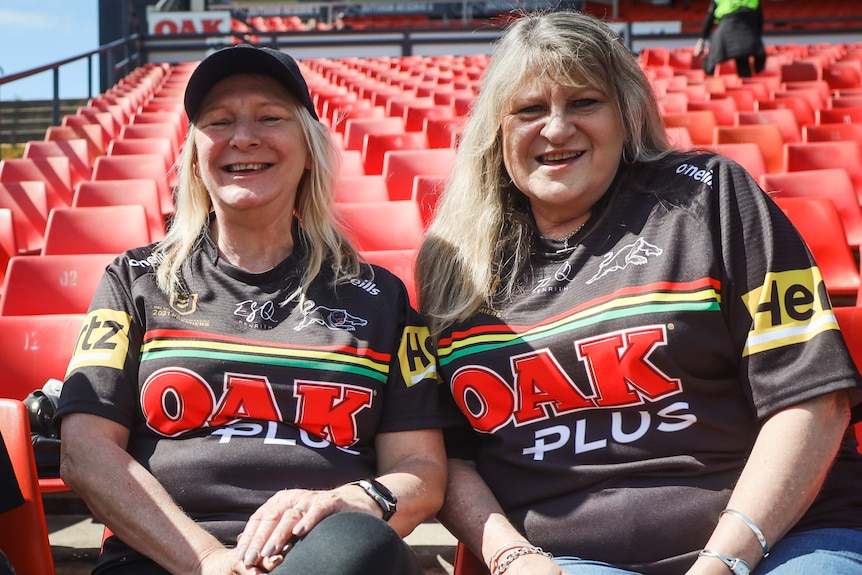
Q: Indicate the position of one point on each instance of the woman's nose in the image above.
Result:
(559, 125)
(245, 134)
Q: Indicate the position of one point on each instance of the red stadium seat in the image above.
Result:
(36, 348)
(390, 225)
(356, 129)
(400, 167)
(426, 190)
(748, 155)
(124, 192)
(134, 167)
(833, 184)
(96, 145)
(376, 145)
(832, 133)
(55, 171)
(76, 150)
(370, 188)
(767, 137)
(783, 118)
(28, 203)
(850, 115)
(819, 224)
(700, 125)
(821, 155)
(23, 530)
(51, 284)
(96, 230)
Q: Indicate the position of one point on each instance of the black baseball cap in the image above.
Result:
(245, 59)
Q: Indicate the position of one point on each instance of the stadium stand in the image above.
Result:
(809, 97)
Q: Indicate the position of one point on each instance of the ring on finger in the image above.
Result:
(300, 510)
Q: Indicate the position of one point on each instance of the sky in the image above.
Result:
(34, 33)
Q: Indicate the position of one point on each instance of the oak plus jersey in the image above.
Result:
(614, 402)
(238, 387)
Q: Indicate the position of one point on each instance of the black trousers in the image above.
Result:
(348, 543)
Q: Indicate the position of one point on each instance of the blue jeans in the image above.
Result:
(832, 551)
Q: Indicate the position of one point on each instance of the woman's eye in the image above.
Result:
(530, 109)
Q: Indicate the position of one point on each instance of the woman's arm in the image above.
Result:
(131, 502)
(784, 473)
(411, 464)
(473, 515)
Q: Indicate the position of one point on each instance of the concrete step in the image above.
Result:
(75, 541)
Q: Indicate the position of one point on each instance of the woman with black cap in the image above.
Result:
(240, 399)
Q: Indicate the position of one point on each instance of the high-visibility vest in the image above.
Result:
(725, 7)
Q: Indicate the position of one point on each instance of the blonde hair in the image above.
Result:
(314, 209)
(477, 249)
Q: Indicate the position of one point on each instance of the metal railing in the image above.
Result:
(121, 57)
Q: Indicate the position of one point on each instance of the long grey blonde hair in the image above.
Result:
(477, 249)
(314, 209)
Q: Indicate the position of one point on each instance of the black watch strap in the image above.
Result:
(381, 495)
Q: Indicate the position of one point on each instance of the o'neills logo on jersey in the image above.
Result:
(151, 261)
(367, 285)
(696, 173)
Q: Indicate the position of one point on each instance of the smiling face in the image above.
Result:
(562, 146)
(251, 151)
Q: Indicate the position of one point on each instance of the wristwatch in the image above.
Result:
(381, 495)
(735, 564)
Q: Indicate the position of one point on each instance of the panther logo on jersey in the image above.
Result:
(328, 317)
(636, 253)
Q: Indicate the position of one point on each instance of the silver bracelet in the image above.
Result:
(735, 564)
(751, 525)
(519, 552)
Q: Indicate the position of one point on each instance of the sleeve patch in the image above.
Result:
(104, 340)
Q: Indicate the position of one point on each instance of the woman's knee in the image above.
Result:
(833, 551)
(351, 543)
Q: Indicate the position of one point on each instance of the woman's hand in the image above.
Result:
(290, 514)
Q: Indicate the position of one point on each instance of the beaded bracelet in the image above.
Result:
(751, 525)
(519, 552)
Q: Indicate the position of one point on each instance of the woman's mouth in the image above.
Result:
(559, 157)
(245, 168)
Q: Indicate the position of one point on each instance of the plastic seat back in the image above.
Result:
(76, 150)
(55, 171)
(781, 117)
(833, 184)
(124, 192)
(59, 284)
(821, 155)
(36, 349)
(134, 167)
(747, 154)
(376, 145)
(355, 130)
(819, 224)
(370, 188)
(400, 167)
(96, 230)
(391, 225)
(23, 531)
(28, 202)
(767, 137)
(700, 125)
